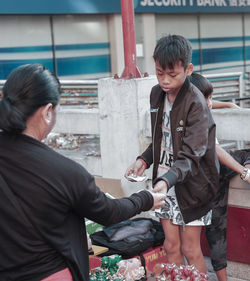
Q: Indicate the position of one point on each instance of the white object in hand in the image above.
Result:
(138, 178)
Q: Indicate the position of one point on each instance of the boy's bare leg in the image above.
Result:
(191, 247)
(172, 243)
(222, 274)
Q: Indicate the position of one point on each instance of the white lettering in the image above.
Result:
(158, 3)
(143, 3)
(166, 2)
(207, 3)
(233, 3)
(191, 2)
(220, 3)
(242, 3)
(211, 3)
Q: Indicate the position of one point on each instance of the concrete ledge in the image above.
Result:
(232, 124)
(235, 271)
(75, 120)
(93, 164)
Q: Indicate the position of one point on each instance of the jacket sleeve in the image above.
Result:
(90, 202)
(147, 156)
(194, 145)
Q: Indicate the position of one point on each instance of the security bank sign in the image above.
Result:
(184, 6)
(114, 6)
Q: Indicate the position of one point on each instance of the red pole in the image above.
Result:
(128, 26)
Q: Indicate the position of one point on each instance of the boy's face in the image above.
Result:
(171, 80)
(209, 101)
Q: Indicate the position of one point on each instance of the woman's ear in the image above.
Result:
(47, 113)
(189, 69)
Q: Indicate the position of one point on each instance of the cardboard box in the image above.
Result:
(111, 186)
(112, 189)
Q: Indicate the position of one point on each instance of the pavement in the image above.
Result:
(235, 271)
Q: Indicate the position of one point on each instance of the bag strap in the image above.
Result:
(9, 193)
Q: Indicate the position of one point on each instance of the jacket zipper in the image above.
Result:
(153, 140)
(184, 225)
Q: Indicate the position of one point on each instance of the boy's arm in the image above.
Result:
(223, 104)
(147, 156)
(141, 164)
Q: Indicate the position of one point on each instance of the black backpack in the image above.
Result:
(139, 240)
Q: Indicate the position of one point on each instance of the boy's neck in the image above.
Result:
(172, 97)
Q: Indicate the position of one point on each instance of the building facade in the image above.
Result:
(82, 39)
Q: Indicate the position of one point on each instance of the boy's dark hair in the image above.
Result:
(202, 83)
(171, 49)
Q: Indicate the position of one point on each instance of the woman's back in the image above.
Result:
(24, 253)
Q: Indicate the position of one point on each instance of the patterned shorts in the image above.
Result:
(172, 211)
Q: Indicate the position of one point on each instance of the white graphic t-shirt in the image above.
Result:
(166, 157)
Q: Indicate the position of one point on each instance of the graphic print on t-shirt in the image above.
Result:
(166, 158)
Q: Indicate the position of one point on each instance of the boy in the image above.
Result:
(182, 152)
(230, 165)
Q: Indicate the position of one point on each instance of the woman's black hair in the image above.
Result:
(27, 88)
(171, 49)
(202, 83)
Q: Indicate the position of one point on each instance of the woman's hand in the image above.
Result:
(159, 199)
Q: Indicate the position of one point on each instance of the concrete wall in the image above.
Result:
(77, 120)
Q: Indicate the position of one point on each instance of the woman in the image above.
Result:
(44, 238)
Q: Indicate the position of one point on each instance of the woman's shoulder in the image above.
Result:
(62, 161)
(45, 155)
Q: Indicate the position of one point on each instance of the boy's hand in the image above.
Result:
(233, 105)
(161, 186)
(137, 169)
(159, 200)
